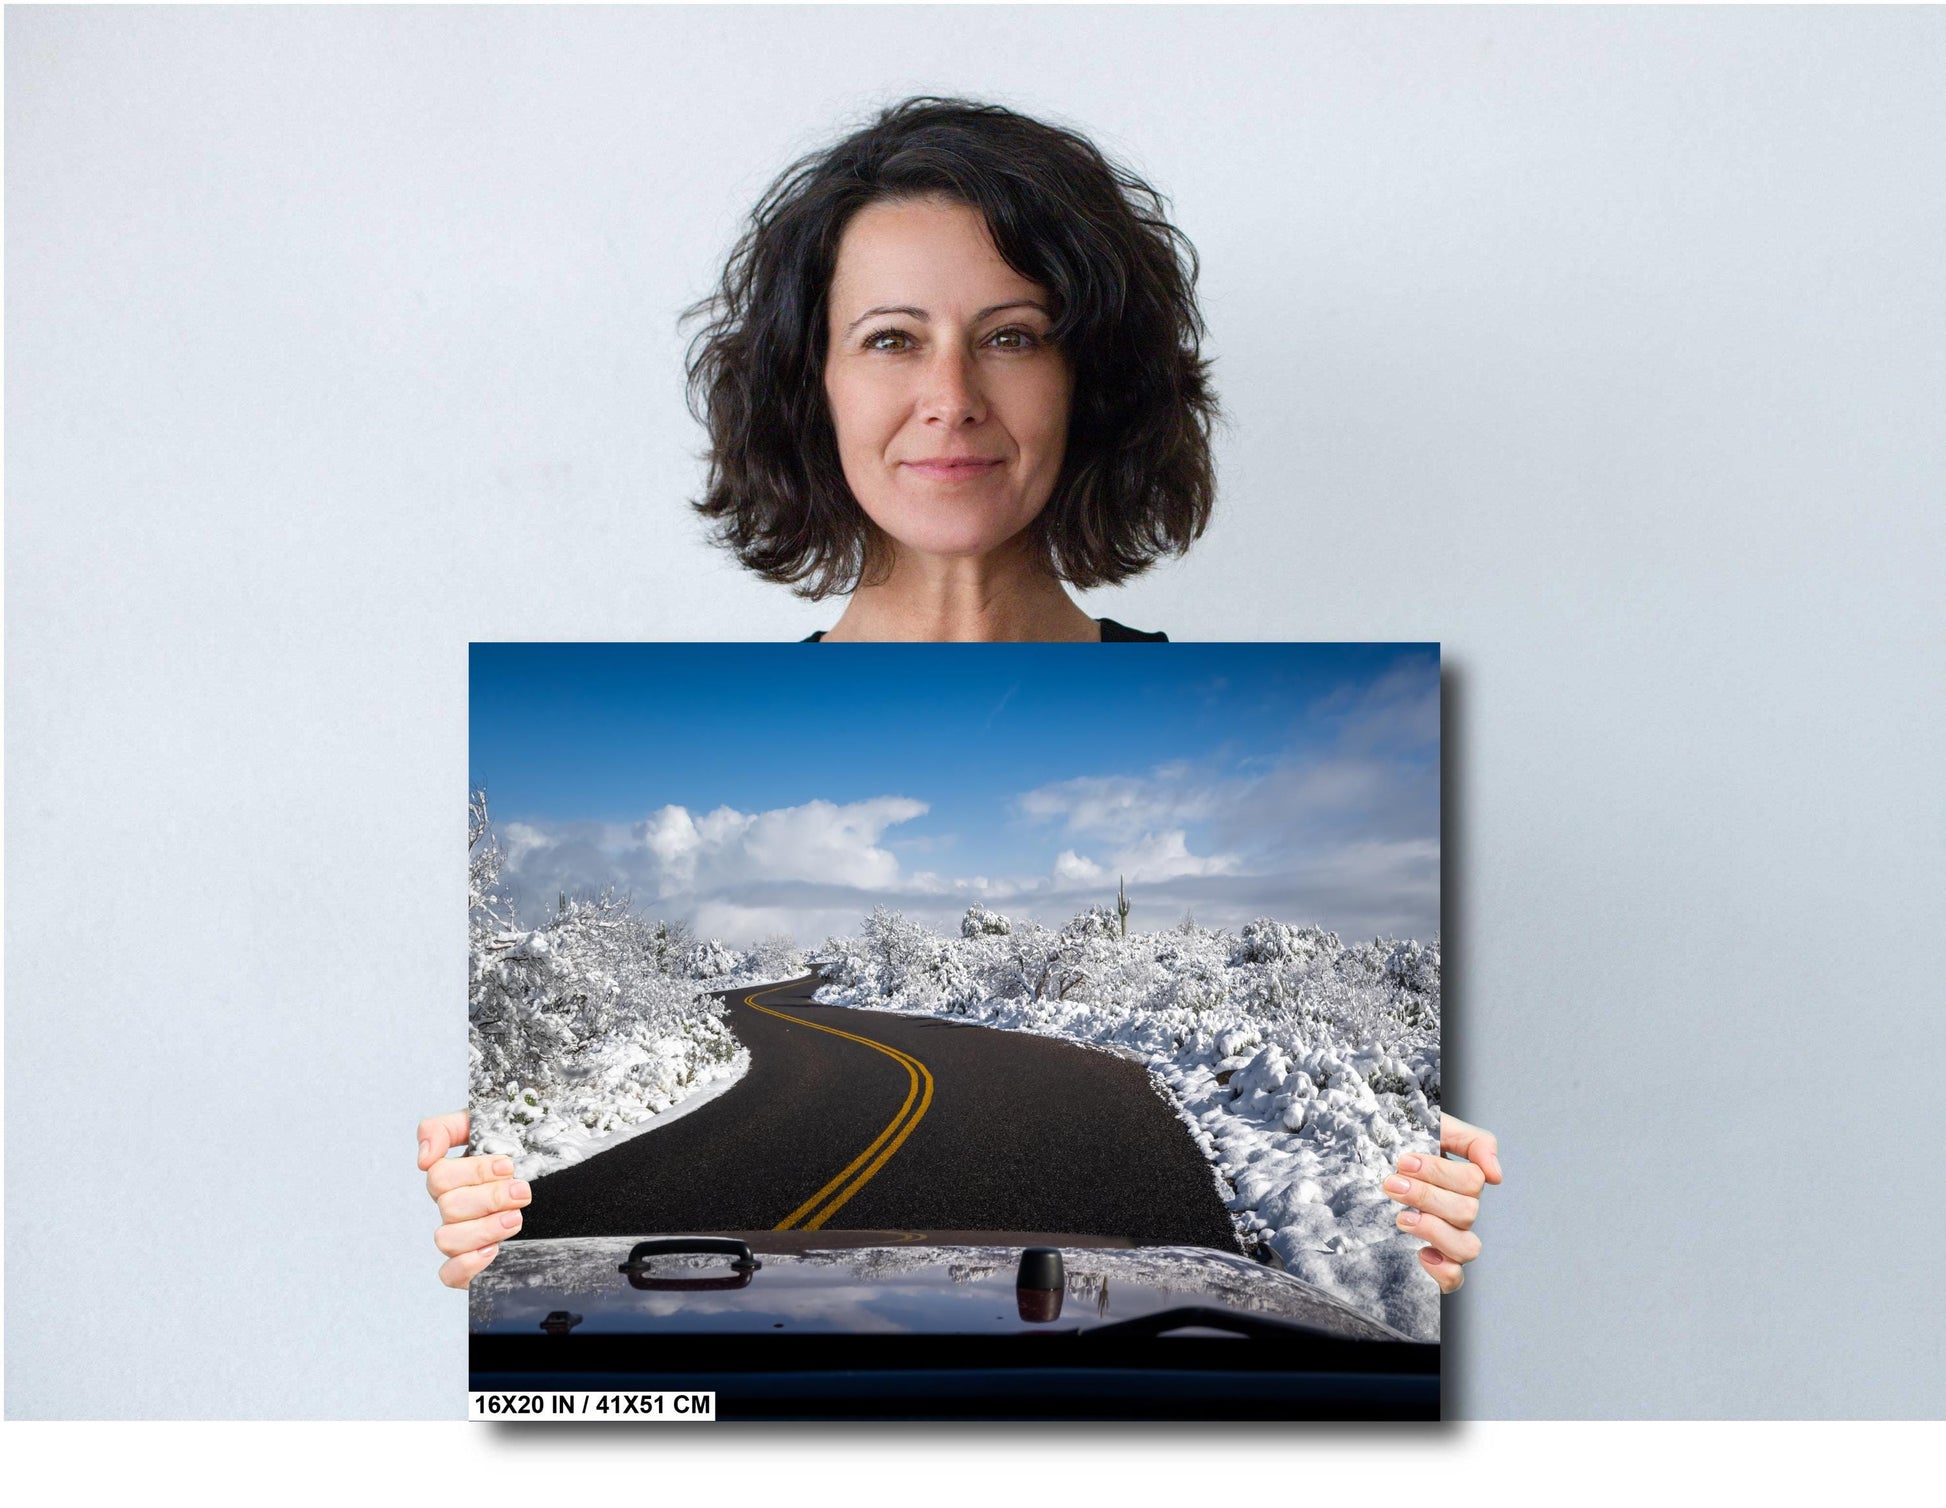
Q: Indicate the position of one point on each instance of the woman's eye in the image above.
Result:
(1013, 338)
(887, 340)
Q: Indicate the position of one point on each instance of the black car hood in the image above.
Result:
(889, 1283)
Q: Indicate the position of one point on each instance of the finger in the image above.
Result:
(453, 1172)
(439, 1134)
(1475, 1145)
(457, 1272)
(1447, 1172)
(1445, 1271)
(471, 1201)
(1457, 1210)
(471, 1235)
(1460, 1245)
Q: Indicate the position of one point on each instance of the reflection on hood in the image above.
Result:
(941, 1289)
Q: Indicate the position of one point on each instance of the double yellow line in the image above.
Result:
(883, 1146)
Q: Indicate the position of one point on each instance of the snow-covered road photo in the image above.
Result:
(1030, 939)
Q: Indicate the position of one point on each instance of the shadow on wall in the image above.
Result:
(1454, 756)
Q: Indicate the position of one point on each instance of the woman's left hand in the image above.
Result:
(1442, 1197)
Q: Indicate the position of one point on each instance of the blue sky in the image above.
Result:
(763, 788)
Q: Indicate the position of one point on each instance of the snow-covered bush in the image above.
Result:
(1097, 922)
(582, 1027)
(980, 922)
(895, 957)
(776, 957)
(1266, 941)
(710, 960)
(670, 944)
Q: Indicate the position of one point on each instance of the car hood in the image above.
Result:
(890, 1283)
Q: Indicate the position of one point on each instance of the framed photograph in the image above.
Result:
(957, 1030)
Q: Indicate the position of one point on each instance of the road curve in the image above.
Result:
(869, 1120)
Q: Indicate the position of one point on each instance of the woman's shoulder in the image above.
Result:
(1111, 633)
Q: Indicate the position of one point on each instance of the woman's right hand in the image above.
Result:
(479, 1198)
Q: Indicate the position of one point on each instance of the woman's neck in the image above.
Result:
(1003, 596)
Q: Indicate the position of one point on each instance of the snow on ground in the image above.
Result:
(568, 1060)
(1303, 1067)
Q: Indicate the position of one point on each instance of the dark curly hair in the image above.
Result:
(1136, 480)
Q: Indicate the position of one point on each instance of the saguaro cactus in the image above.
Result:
(1121, 904)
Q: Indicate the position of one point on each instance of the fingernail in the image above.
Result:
(425, 1150)
(1429, 1255)
(518, 1192)
(1408, 1217)
(487, 1251)
(1398, 1185)
(511, 1220)
(1409, 1163)
(503, 1168)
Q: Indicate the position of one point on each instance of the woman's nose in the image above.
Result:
(952, 393)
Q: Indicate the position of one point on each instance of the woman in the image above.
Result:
(952, 369)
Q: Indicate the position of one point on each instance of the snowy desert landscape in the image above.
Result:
(1301, 1065)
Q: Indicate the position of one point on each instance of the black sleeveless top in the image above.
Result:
(1111, 633)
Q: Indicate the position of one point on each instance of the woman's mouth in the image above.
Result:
(951, 468)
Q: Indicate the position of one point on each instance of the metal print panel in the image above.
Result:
(956, 1030)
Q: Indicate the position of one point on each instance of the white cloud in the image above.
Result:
(1166, 856)
(1072, 869)
(673, 853)
(1153, 857)
(518, 839)
(816, 841)
(819, 840)
(1119, 808)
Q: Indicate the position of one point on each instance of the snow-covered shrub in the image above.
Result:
(670, 944)
(1266, 941)
(1196, 986)
(896, 958)
(774, 958)
(1097, 922)
(710, 960)
(980, 922)
(581, 1027)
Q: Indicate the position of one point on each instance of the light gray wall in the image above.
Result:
(1607, 348)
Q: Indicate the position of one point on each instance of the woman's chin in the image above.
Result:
(954, 539)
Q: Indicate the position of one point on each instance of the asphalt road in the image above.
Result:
(868, 1120)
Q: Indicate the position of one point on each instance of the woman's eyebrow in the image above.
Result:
(905, 309)
(1019, 303)
(920, 314)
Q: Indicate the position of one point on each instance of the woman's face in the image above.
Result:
(951, 407)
